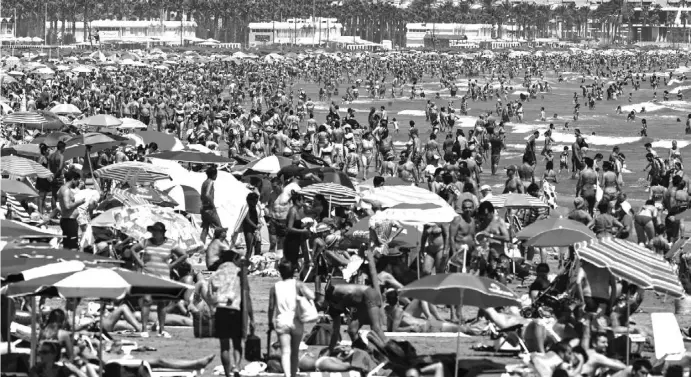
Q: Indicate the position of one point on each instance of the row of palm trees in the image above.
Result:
(227, 20)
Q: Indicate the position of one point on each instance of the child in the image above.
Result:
(542, 114)
(644, 128)
(395, 124)
(564, 160)
(549, 155)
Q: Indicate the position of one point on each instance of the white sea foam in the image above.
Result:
(465, 121)
(570, 138)
(519, 92)
(649, 107)
(668, 144)
(524, 128)
(678, 105)
(679, 89)
(419, 113)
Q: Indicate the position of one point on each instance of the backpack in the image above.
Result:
(320, 334)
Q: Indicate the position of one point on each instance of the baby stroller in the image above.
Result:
(553, 298)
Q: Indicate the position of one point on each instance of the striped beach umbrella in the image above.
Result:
(130, 123)
(23, 167)
(419, 214)
(516, 201)
(25, 117)
(132, 171)
(633, 263)
(17, 188)
(270, 164)
(191, 156)
(389, 196)
(104, 283)
(334, 193)
(17, 230)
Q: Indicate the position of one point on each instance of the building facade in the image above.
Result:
(416, 32)
(299, 31)
(133, 31)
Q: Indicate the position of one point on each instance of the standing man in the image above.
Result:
(68, 206)
(587, 185)
(56, 165)
(278, 205)
(209, 213)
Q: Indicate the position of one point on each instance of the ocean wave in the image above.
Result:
(524, 128)
(419, 113)
(679, 89)
(465, 121)
(649, 107)
(678, 105)
(570, 138)
(668, 144)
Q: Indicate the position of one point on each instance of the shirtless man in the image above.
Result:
(56, 164)
(513, 182)
(587, 184)
(432, 148)
(561, 356)
(493, 225)
(218, 251)
(597, 359)
(462, 229)
(68, 209)
(610, 182)
(526, 172)
(364, 305)
(338, 136)
(388, 168)
(407, 170)
(279, 141)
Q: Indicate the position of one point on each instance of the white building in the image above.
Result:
(133, 31)
(300, 31)
(415, 32)
(6, 27)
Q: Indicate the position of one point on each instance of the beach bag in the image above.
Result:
(253, 347)
(320, 334)
(203, 323)
(306, 310)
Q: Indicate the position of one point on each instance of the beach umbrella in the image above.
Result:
(460, 289)
(17, 188)
(52, 139)
(164, 141)
(127, 198)
(335, 194)
(102, 120)
(513, 200)
(129, 123)
(633, 263)
(20, 269)
(153, 196)
(23, 167)
(191, 156)
(65, 109)
(103, 283)
(390, 196)
(419, 214)
(328, 175)
(25, 117)
(559, 232)
(270, 164)
(45, 71)
(25, 150)
(10, 229)
(133, 221)
(132, 171)
(82, 69)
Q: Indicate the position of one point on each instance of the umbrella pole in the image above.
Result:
(628, 329)
(329, 206)
(458, 333)
(34, 333)
(100, 339)
(9, 326)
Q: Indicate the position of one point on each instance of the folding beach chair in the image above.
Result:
(669, 342)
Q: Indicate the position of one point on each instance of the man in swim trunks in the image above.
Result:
(513, 182)
(597, 361)
(362, 302)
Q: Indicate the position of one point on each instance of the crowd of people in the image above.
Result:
(249, 109)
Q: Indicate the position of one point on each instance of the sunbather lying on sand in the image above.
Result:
(400, 319)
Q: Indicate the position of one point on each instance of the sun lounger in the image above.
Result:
(425, 335)
(669, 343)
(155, 372)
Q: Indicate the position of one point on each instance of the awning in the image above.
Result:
(633, 263)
